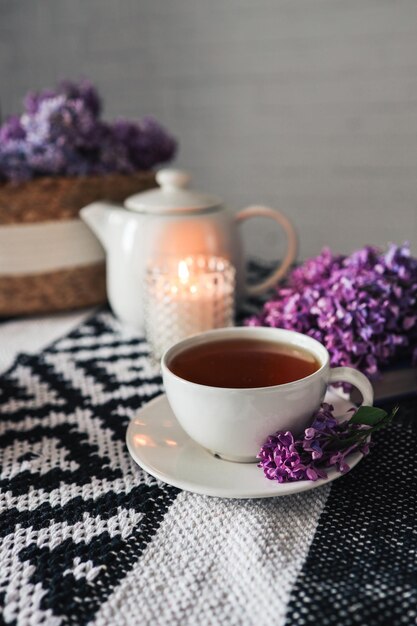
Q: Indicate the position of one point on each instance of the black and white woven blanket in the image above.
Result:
(87, 537)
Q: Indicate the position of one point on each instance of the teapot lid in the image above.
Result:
(172, 196)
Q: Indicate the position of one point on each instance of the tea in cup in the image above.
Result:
(230, 388)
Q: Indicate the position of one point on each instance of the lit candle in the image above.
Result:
(187, 296)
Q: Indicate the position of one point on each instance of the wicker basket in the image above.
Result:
(49, 260)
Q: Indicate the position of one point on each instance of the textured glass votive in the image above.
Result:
(187, 296)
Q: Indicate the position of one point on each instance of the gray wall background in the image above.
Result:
(306, 105)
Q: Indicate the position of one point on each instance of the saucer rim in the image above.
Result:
(283, 489)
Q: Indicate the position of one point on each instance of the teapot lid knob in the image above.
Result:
(172, 196)
(171, 179)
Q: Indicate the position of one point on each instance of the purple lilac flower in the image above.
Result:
(362, 307)
(143, 141)
(286, 459)
(61, 133)
(84, 91)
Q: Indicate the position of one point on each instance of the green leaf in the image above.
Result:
(386, 421)
(369, 415)
(359, 436)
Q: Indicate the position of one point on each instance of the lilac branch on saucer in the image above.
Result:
(325, 444)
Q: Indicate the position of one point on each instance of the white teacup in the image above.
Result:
(234, 423)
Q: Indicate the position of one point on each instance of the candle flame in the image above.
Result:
(183, 272)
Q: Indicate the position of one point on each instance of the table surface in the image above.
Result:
(87, 537)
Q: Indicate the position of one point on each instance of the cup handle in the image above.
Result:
(355, 378)
(282, 269)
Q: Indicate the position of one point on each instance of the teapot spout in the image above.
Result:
(97, 217)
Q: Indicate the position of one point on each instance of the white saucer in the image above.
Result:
(160, 446)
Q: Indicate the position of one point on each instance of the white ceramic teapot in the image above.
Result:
(172, 221)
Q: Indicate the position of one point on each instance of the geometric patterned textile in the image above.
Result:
(87, 537)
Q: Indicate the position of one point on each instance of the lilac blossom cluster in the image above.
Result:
(362, 307)
(61, 132)
(326, 443)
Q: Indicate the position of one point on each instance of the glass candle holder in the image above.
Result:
(187, 296)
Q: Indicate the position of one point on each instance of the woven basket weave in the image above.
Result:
(52, 200)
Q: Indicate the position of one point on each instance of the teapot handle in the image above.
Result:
(282, 269)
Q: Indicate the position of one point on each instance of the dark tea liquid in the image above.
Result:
(240, 363)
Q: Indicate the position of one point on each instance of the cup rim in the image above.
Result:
(212, 335)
